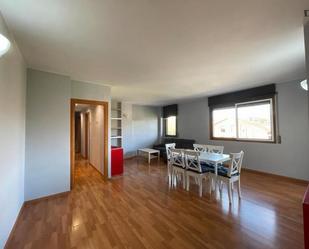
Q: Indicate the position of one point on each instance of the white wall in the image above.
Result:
(97, 137)
(47, 134)
(83, 134)
(127, 131)
(140, 127)
(290, 158)
(12, 135)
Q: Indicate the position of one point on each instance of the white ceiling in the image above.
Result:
(161, 51)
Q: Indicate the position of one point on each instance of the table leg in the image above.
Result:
(216, 178)
(148, 158)
(159, 156)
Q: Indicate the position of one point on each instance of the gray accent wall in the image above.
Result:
(192, 120)
(140, 127)
(89, 91)
(12, 134)
(290, 158)
(47, 168)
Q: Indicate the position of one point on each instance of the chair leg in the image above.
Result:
(184, 180)
(169, 175)
(238, 189)
(210, 184)
(200, 183)
(221, 186)
(229, 192)
(174, 180)
(216, 184)
(188, 182)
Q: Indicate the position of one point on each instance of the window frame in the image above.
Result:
(165, 129)
(273, 116)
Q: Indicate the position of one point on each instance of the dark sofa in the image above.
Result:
(180, 143)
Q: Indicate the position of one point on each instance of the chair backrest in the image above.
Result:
(177, 158)
(192, 160)
(236, 162)
(168, 148)
(199, 147)
(215, 149)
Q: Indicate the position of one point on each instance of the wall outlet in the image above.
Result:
(279, 139)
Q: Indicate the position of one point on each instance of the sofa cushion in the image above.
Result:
(180, 143)
(205, 169)
(209, 166)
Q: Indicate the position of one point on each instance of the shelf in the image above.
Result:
(116, 128)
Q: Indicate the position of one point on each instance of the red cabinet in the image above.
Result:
(306, 218)
(117, 160)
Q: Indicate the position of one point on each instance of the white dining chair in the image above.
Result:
(168, 148)
(196, 170)
(178, 167)
(199, 147)
(215, 149)
(231, 174)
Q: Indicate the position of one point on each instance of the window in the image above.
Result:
(224, 122)
(170, 113)
(249, 121)
(170, 126)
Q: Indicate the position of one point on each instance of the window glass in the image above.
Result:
(254, 121)
(170, 126)
(224, 123)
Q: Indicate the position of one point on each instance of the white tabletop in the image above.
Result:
(149, 150)
(214, 157)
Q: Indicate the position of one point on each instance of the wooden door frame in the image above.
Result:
(72, 135)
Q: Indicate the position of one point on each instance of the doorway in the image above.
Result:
(90, 136)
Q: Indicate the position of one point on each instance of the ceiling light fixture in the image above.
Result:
(304, 85)
(4, 44)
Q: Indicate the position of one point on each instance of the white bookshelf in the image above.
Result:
(116, 123)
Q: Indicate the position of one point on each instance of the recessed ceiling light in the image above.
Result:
(4, 45)
(304, 85)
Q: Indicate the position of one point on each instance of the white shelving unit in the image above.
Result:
(116, 126)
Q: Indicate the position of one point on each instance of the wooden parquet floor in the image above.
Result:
(139, 210)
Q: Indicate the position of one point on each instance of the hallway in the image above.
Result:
(138, 210)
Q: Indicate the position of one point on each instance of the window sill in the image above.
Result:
(243, 141)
